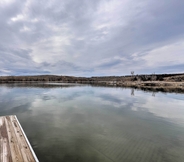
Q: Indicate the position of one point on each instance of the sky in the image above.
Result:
(91, 37)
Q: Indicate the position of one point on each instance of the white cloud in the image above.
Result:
(25, 29)
(18, 17)
(171, 54)
(34, 20)
(3, 2)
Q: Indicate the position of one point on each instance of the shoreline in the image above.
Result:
(161, 86)
(154, 86)
(151, 82)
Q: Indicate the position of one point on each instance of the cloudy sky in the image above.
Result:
(91, 37)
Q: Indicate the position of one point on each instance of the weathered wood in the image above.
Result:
(5, 155)
(14, 145)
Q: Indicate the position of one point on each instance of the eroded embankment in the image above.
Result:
(177, 87)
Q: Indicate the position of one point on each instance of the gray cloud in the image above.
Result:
(90, 37)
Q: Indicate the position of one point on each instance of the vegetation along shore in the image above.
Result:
(157, 82)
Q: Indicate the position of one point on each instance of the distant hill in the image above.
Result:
(72, 79)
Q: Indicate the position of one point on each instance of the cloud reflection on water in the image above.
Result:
(90, 123)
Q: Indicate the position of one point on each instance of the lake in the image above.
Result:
(83, 123)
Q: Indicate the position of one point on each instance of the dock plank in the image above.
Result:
(5, 154)
(14, 146)
(24, 148)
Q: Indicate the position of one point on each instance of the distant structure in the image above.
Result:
(153, 77)
(132, 72)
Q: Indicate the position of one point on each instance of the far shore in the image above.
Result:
(163, 86)
(153, 82)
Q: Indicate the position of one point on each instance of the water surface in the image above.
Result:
(81, 123)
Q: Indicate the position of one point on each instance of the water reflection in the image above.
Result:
(132, 92)
(97, 124)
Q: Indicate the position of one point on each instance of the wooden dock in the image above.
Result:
(14, 145)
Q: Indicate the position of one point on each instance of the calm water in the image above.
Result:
(74, 123)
